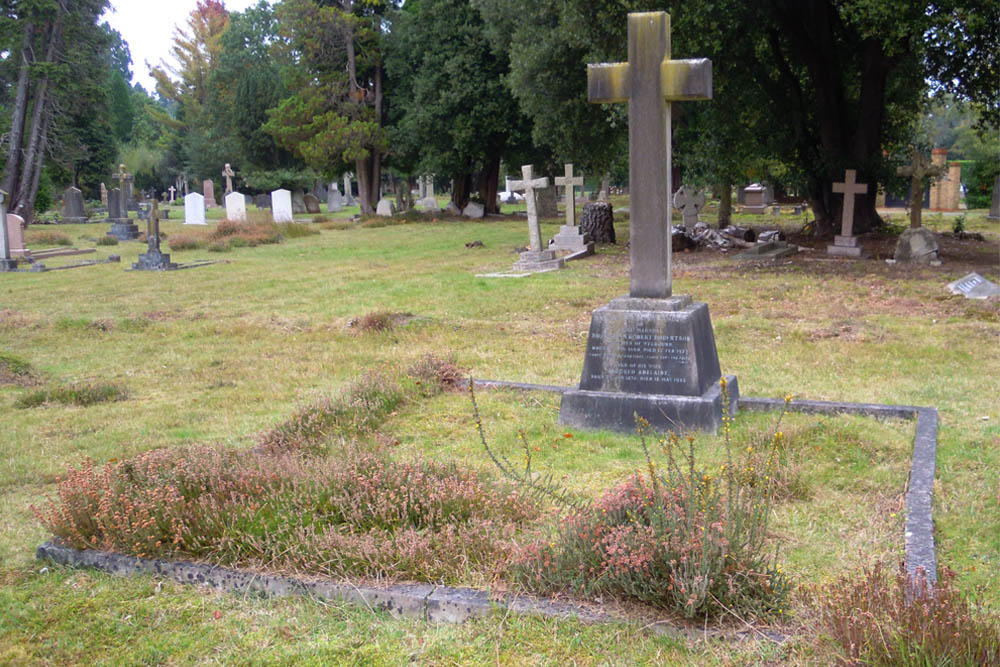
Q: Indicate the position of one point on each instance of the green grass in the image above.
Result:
(220, 353)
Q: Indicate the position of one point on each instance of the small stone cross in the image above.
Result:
(689, 203)
(123, 178)
(650, 82)
(528, 186)
(570, 183)
(920, 167)
(172, 190)
(228, 173)
(849, 188)
(153, 228)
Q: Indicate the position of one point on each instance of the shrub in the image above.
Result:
(186, 241)
(75, 394)
(218, 246)
(877, 618)
(435, 374)
(338, 225)
(294, 230)
(46, 238)
(107, 240)
(376, 321)
(16, 371)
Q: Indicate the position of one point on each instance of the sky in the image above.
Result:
(148, 27)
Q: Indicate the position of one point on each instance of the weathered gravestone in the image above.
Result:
(753, 199)
(73, 206)
(570, 240)
(320, 191)
(689, 202)
(208, 192)
(15, 237)
(228, 174)
(334, 200)
(128, 192)
(534, 259)
(650, 353)
(474, 210)
(974, 286)
(452, 209)
(121, 228)
(7, 262)
(348, 197)
(104, 195)
(311, 203)
(845, 244)
(236, 207)
(281, 206)
(194, 209)
(386, 208)
(153, 259)
(547, 202)
(298, 202)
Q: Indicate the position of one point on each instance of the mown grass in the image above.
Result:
(221, 353)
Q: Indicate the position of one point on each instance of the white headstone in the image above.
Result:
(194, 209)
(236, 207)
(474, 210)
(385, 209)
(281, 206)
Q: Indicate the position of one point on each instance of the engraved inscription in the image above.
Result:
(640, 355)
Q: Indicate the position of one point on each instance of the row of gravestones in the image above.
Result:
(284, 205)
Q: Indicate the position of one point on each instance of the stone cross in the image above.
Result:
(228, 173)
(123, 178)
(153, 228)
(570, 183)
(849, 188)
(650, 82)
(528, 186)
(920, 167)
(171, 190)
(689, 202)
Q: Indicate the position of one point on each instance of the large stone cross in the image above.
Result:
(570, 183)
(920, 167)
(228, 173)
(528, 186)
(849, 188)
(650, 81)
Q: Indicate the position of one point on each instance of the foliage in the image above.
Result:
(17, 371)
(877, 618)
(106, 240)
(74, 394)
(47, 238)
(294, 230)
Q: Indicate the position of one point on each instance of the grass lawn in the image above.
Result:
(219, 353)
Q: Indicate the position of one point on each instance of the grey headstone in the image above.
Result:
(974, 286)
(547, 202)
(348, 196)
(73, 206)
(320, 191)
(298, 202)
(385, 209)
(474, 210)
(429, 205)
(689, 202)
(917, 245)
(312, 203)
(334, 200)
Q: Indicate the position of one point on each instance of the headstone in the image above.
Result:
(995, 201)
(429, 205)
(534, 259)
(208, 191)
(172, 190)
(845, 244)
(320, 191)
(651, 353)
(281, 206)
(15, 237)
(474, 210)
(917, 244)
(689, 202)
(128, 194)
(769, 250)
(385, 209)
(228, 174)
(7, 262)
(348, 197)
(311, 203)
(73, 206)
(236, 207)
(974, 286)
(194, 209)
(121, 228)
(452, 209)
(570, 241)
(262, 201)
(104, 195)
(114, 204)
(298, 202)
(334, 200)
(547, 202)
(753, 198)
(153, 259)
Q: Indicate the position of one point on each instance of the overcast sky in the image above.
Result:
(148, 27)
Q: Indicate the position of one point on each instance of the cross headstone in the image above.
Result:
(570, 183)
(228, 173)
(104, 195)
(534, 259)
(570, 240)
(650, 82)
(348, 197)
(689, 202)
(172, 190)
(920, 168)
(123, 178)
(153, 259)
(194, 209)
(650, 354)
(846, 243)
(281, 206)
(7, 263)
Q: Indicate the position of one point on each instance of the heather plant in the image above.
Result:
(17, 371)
(258, 229)
(106, 240)
(293, 230)
(187, 241)
(434, 374)
(338, 225)
(84, 395)
(46, 238)
(876, 617)
(376, 321)
(682, 537)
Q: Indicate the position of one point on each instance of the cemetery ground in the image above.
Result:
(219, 354)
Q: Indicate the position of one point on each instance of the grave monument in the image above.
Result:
(236, 207)
(153, 259)
(104, 195)
(172, 190)
(208, 192)
(570, 240)
(845, 244)
(121, 228)
(334, 201)
(73, 206)
(534, 259)
(348, 197)
(194, 209)
(689, 202)
(281, 206)
(228, 174)
(7, 263)
(650, 353)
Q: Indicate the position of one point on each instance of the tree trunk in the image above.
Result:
(16, 136)
(598, 220)
(488, 185)
(369, 173)
(461, 188)
(36, 168)
(916, 202)
(39, 117)
(725, 204)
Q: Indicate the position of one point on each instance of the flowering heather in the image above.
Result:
(877, 618)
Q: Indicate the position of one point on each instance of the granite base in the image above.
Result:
(124, 231)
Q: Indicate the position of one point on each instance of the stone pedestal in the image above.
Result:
(545, 260)
(651, 357)
(571, 241)
(845, 246)
(123, 230)
(7, 265)
(154, 261)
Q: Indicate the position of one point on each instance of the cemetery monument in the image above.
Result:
(208, 191)
(650, 353)
(194, 209)
(689, 202)
(236, 207)
(73, 206)
(534, 260)
(153, 259)
(845, 244)
(228, 174)
(121, 227)
(7, 263)
(281, 206)
(918, 244)
(570, 239)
